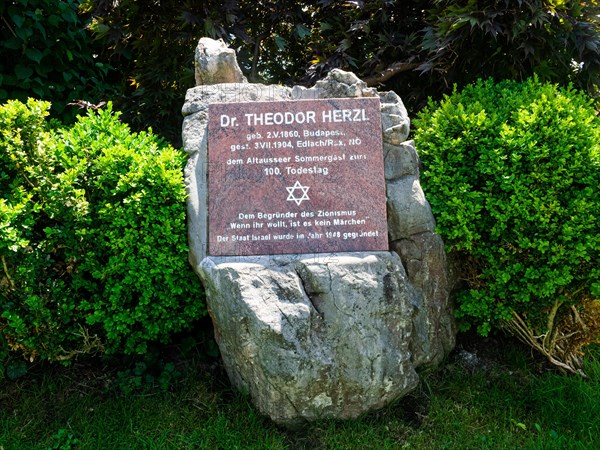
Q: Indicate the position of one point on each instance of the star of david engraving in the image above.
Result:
(293, 198)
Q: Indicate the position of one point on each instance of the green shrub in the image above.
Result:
(512, 173)
(93, 236)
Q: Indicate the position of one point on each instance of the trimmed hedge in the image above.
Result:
(512, 173)
(92, 236)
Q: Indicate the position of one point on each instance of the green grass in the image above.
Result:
(510, 400)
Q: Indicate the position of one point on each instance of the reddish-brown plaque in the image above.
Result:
(301, 176)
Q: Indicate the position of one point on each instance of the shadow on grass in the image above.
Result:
(490, 394)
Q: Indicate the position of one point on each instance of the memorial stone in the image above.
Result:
(313, 327)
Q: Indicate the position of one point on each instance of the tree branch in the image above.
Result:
(255, 56)
(10, 281)
(389, 72)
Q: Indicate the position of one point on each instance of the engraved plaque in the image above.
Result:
(300, 176)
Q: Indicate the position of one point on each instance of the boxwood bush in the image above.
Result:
(92, 236)
(512, 173)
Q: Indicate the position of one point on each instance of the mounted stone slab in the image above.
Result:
(320, 335)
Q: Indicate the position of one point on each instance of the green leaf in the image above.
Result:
(302, 31)
(281, 43)
(13, 43)
(16, 369)
(23, 72)
(34, 54)
(24, 33)
(69, 15)
(18, 20)
(209, 28)
(54, 20)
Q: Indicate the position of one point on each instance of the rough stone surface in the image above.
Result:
(327, 335)
(394, 118)
(216, 63)
(315, 336)
(401, 160)
(408, 211)
(426, 266)
(340, 84)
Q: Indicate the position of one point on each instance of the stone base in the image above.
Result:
(314, 336)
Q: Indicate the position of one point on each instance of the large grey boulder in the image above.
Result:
(313, 336)
(325, 335)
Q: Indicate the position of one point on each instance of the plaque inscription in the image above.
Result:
(300, 176)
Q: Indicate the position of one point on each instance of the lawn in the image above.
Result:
(491, 393)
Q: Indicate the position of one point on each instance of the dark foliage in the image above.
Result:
(45, 52)
(418, 48)
(507, 39)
